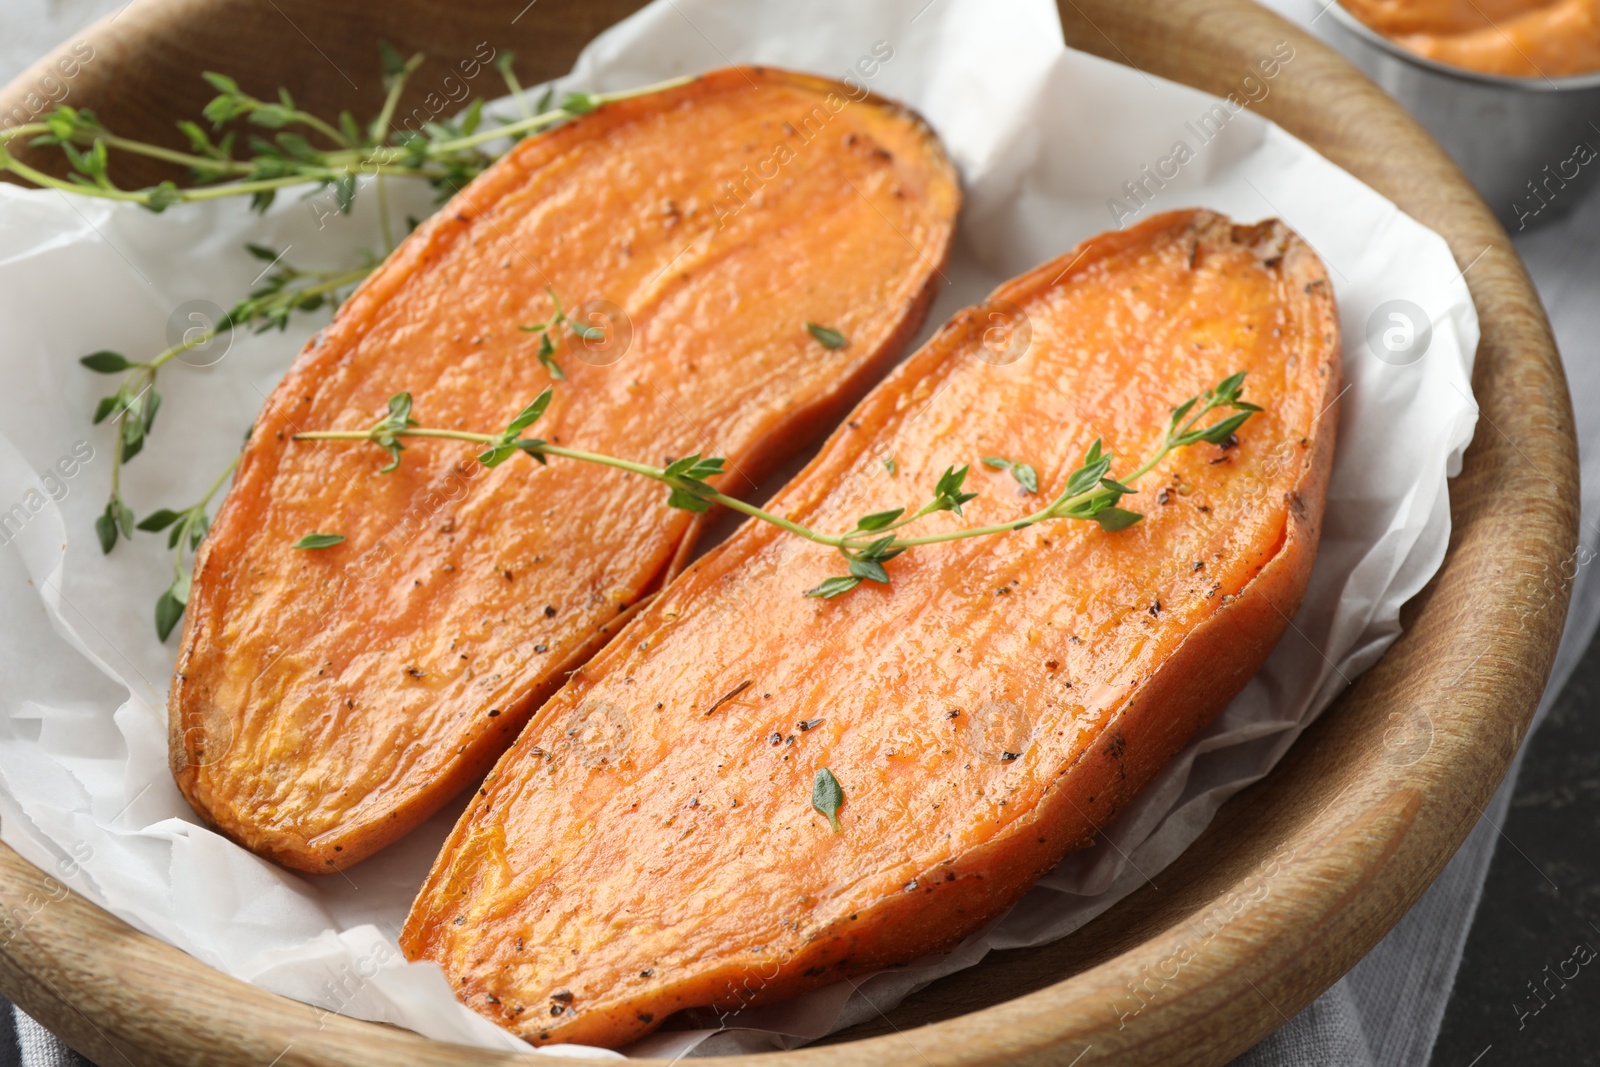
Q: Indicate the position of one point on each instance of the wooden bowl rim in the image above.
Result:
(1346, 850)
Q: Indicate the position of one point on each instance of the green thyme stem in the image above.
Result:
(294, 296)
(556, 114)
(116, 458)
(205, 192)
(148, 373)
(367, 435)
(197, 511)
(517, 93)
(169, 155)
(142, 196)
(111, 140)
(232, 466)
(644, 469)
(45, 181)
(322, 127)
(385, 119)
(661, 475)
(219, 192)
(26, 129)
(326, 167)
(845, 540)
(1055, 507)
(188, 528)
(1088, 495)
(383, 215)
(201, 337)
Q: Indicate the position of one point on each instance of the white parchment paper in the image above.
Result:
(1053, 147)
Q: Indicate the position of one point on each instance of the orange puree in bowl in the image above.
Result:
(1529, 38)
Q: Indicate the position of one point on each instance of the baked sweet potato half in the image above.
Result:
(650, 843)
(328, 701)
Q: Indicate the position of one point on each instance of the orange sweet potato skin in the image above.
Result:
(326, 702)
(645, 848)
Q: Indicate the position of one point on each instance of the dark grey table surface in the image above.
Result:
(1528, 991)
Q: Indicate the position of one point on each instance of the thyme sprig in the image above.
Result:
(132, 408)
(1090, 493)
(187, 527)
(547, 332)
(304, 149)
(299, 149)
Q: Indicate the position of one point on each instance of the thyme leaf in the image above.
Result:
(826, 335)
(829, 588)
(1024, 473)
(686, 478)
(879, 519)
(169, 609)
(869, 570)
(547, 354)
(106, 362)
(827, 796)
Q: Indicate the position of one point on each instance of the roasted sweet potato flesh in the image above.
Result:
(327, 701)
(649, 844)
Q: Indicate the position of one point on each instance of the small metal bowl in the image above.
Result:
(1530, 145)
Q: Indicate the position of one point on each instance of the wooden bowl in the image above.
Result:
(1297, 878)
